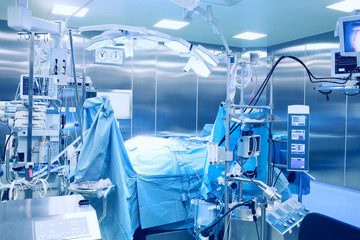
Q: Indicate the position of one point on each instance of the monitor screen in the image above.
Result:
(121, 102)
(349, 35)
(342, 66)
(44, 87)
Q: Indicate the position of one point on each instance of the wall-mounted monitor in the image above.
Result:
(349, 35)
(342, 66)
(121, 102)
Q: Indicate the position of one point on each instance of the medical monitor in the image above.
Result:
(342, 66)
(44, 87)
(349, 35)
(121, 102)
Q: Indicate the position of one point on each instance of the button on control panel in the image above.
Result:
(286, 216)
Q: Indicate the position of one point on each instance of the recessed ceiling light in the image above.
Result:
(346, 6)
(250, 35)
(170, 24)
(68, 10)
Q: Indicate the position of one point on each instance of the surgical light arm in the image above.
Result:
(209, 17)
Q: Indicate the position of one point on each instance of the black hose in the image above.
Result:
(205, 232)
(278, 177)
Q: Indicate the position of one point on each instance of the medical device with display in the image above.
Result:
(248, 145)
(342, 66)
(349, 35)
(298, 138)
(44, 87)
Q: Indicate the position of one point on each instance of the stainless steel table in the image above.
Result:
(48, 218)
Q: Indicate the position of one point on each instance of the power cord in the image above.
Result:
(326, 94)
(278, 177)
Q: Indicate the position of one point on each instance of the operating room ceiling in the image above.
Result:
(281, 20)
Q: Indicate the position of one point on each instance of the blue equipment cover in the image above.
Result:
(103, 155)
(169, 175)
(212, 173)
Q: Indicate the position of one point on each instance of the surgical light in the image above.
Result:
(207, 55)
(178, 45)
(345, 6)
(69, 10)
(104, 39)
(170, 24)
(200, 59)
(145, 44)
(128, 47)
(250, 35)
(100, 44)
(156, 36)
(189, 64)
(198, 66)
(120, 39)
(201, 68)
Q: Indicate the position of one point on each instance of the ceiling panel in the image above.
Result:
(281, 20)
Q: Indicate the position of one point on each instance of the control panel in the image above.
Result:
(44, 87)
(298, 138)
(286, 216)
(62, 228)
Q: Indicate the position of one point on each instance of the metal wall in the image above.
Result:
(335, 134)
(13, 62)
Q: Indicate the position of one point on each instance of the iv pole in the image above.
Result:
(208, 16)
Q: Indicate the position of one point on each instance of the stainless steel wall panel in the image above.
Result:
(327, 118)
(288, 80)
(353, 144)
(14, 61)
(144, 92)
(176, 94)
(212, 91)
(14, 56)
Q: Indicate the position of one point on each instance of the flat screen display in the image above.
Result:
(297, 148)
(298, 134)
(297, 162)
(298, 121)
(40, 87)
(351, 36)
(344, 64)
